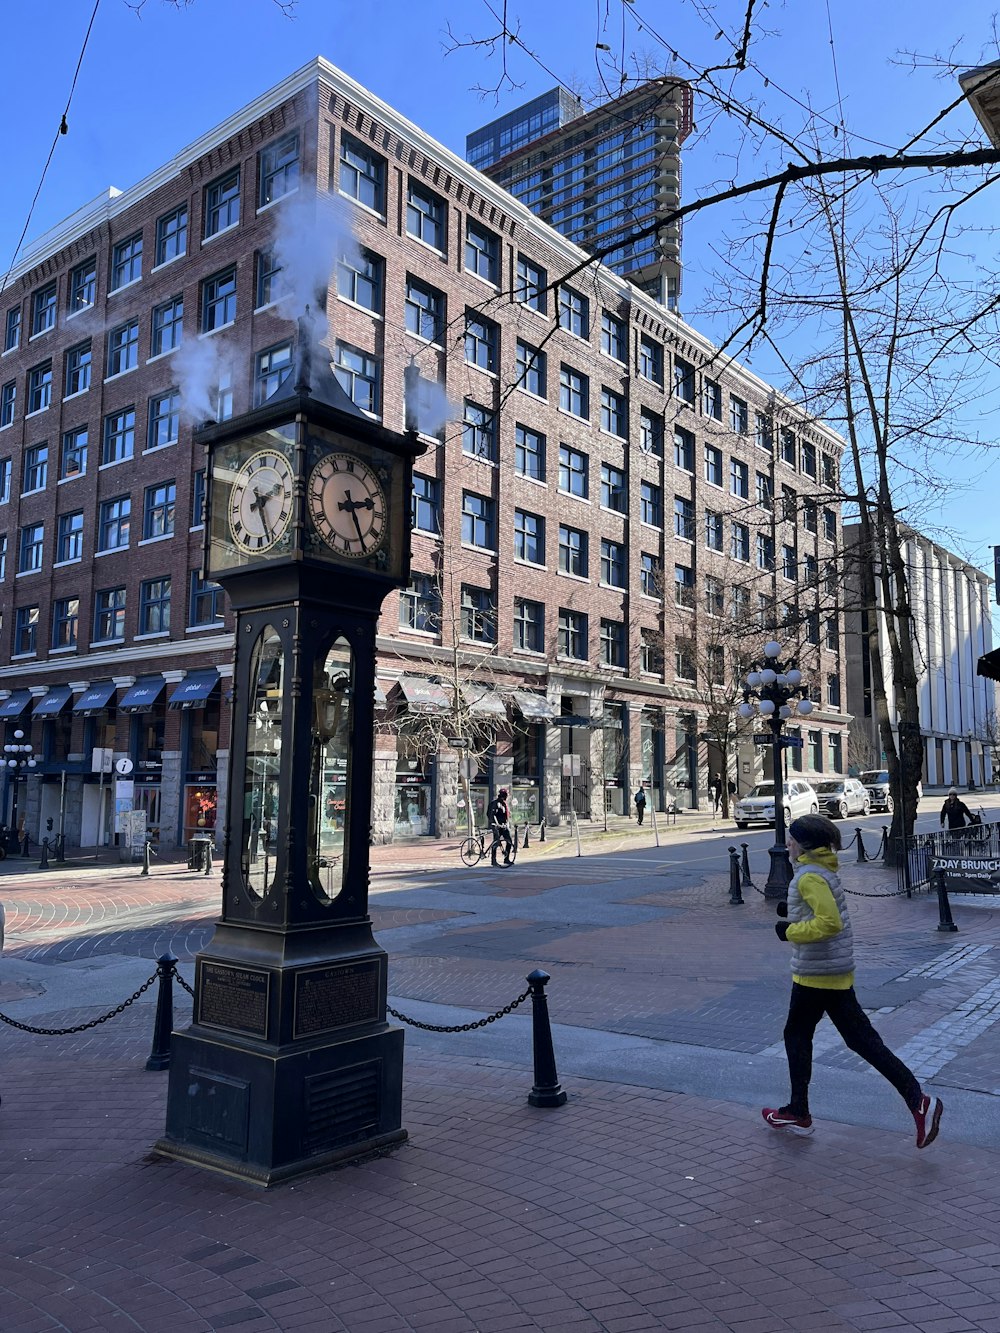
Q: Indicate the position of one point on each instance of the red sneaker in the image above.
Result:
(927, 1118)
(784, 1119)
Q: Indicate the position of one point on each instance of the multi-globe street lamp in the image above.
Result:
(18, 756)
(774, 691)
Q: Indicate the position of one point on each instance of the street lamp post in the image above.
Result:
(773, 689)
(19, 756)
(972, 772)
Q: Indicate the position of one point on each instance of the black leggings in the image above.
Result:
(807, 1007)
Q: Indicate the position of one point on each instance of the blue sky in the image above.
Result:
(150, 85)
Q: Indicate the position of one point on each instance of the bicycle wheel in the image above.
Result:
(471, 851)
(513, 845)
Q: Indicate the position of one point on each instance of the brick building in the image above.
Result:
(607, 493)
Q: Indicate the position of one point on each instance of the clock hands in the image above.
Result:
(352, 506)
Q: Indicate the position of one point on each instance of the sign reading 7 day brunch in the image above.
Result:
(969, 874)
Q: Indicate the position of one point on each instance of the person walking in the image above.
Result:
(640, 804)
(715, 792)
(818, 927)
(955, 811)
(498, 817)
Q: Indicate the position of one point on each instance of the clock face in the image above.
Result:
(260, 502)
(347, 505)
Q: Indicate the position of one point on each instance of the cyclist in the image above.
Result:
(498, 815)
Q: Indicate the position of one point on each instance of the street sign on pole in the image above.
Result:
(467, 769)
(762, 738)
(792, 742)
(572, 720)
(459, 742)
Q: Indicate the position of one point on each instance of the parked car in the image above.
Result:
(876, 783)
(757, 806)
(841, 797)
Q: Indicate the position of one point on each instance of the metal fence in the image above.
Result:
(913, 868)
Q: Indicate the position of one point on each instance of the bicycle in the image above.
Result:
(474, 848)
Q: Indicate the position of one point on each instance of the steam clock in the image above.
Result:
(289, 1064)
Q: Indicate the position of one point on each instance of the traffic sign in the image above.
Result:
(792, 742)
(762, 738)
(459, 742)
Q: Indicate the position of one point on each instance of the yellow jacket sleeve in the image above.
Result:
(825, 921)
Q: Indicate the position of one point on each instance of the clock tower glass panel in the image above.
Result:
(259, 840)
(333, 683)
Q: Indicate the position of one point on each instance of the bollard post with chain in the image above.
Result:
(524, 844)
(163, 1025)
(735, 896)
(945, 922)
(746, 882)
(60, 847)
(43, 863)
(208, 858)
(862, 854)
(547, 1090)
(145, 858)
(541, 831)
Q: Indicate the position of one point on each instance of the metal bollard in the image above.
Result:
(60, 846)
(159, 1056)
(43, 864)
(862, 855)
(883, 850)
(546, 1091)
(541, 831)
(145, 858)
(26, 845)
(208, 858)
(945, 922)
(524, 844)
(735, 896)
(746, 882)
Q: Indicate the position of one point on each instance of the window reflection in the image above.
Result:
(329, 768)
(259, 841)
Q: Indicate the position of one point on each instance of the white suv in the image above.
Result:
(757, 806)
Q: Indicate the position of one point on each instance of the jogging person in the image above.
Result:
(498, 815)
(818, 927)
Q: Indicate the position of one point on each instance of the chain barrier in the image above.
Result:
(80, 1027)
(460, 1027)
(183, 984)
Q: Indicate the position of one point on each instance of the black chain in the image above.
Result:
(460, 1027)
(80, 1027)
(182, 983)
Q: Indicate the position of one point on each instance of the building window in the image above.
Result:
(154, 606)
(198, 499)
(119, 436)
(123, 348)
(614, 413)
(765, 551)
(740, 541)
(279, 168)
(222, 396)
(787, 443)
(267, 270)
(362, 174)
(613, 643)
(650, 653)
(158, 510)
(683, 514)
(529, 453)
(12, 329)
(651, 504)
(829, 473)
(109, 615)
(812, 627)
(712, 400)
(358, 374)
(683, 449)
(833, 691)
(73, 461)
(810, 571)
(651, 360)
(613, 336)
(65, 622)
(715, 596)
(713, 530)
(479, 431)
(168, 321)
(171, 235)
(43, 309)
(425, 216)
(531, 368)
(574, 312)
(8, 403)
(763, 431)
(716, 664)
(529, 537)
(204, 601)
(808, 459)
(530, 285)
(650, 433)
(478, 521)
(425, 504)
(25, 630)
(739, 479)
(39, 387)
(113, 521)
(222, 203)
(69, 537)
(765, 491)
(360, 279)
(684, 381)
(271, 368)
(479, 621)
(218, 300)
(810, 515)
(684, 661)
(572, 634)
(529, 626)
(816, 751)
(572, 551)
(789, 504)
(164, 419)
(420, 605)
(126, 262)
(36, 468)
(31, 548)
(789, 562)
(574, 392)
(83, 285)
(829, 524)
(482, 339)
(684, 586)
(572, 471)
(650, 581)
(612, 563)
(424, 310)
(613, 492)
(78, 365)
(482, 252)
(832, 633)
(713, 465)
(739, 415)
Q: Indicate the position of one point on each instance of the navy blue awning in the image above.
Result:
(142, 696)
(16, 704)
(194, 689)
(94, 698)
(51, 704)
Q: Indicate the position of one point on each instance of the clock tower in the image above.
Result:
(289, 1064)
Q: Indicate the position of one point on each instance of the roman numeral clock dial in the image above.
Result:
(260, 502)
(347, 506)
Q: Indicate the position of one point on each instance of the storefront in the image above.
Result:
(652, 750)
(143, 703)
(529, 756)
(196, 697)
(616, 792)
(413, 804)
